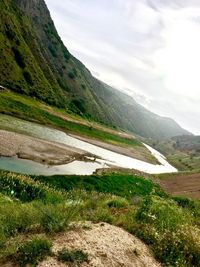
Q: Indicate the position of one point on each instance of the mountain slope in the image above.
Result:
(35, 62)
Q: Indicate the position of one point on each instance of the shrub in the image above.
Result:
(73, 256)
(32, 252)
(17, 218)
(52, 50)
(169, 229)
(19, 58)
(117, 202)
(71, 75)
(10, 34)
(28, 78)
(162, 213)
(56, 218)
(66, 54)
(83, 86)
(79, 104)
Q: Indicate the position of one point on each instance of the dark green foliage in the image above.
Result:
(83, 86)
(71, 75)
(73, 256)
(52, 50)
(66, 54)
(10, 34)
(117, 203)
(32, 252)
(19, 58)
(28, 78)
(78, 104)
(75, 72)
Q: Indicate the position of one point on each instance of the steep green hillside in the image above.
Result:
(35, 62)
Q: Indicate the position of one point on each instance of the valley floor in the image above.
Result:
(33, 110)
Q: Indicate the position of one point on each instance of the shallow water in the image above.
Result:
(24, 166)
(109, 157)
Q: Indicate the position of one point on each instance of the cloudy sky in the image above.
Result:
(149, 49)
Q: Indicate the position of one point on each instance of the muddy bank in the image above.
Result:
(139, 152)
(26, 147)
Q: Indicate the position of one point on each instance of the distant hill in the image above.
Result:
(187, 143)
(182, 151)
(35, 62)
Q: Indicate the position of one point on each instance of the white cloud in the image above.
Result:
(147, 48)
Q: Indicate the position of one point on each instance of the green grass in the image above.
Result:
(72, 256)
(169, 225)
(170, 230)
(32, 110)
(124, 185)
(32, 252)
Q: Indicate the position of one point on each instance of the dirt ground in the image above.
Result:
(106, 246)
(26, 147)
(187, 185)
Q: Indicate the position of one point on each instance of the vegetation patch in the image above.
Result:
(120, 184)
(32, 110)
(169, 225)
(32, 252)
(72, 256)
(117, 202)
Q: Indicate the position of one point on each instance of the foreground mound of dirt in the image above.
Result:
(106, 245)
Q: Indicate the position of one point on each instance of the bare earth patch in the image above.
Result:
(26, 147)
(106, 246)
(187, 185)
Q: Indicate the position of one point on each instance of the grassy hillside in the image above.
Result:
(35, 210)
(35, 62)
(182, 151)
(35, 111)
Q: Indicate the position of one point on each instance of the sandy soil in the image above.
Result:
(26, 147)
(106, 245)
(141, 153)
(187, 185)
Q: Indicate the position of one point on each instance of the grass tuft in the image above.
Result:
(72, 256)
(32, 252)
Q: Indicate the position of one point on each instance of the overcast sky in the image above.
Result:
(149, 49)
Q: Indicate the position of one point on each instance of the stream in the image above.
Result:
(105, 157)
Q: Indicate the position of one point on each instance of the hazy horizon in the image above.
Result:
(148, 49)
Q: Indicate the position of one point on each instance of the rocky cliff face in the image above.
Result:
(35, 62)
